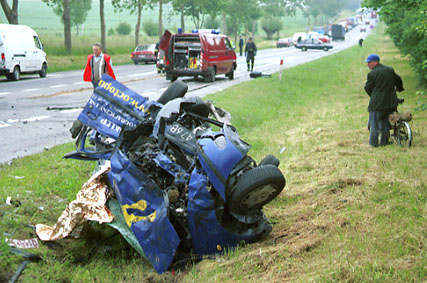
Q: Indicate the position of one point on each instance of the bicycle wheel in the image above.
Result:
(404, 134)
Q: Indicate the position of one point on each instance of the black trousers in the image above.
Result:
(250, 59)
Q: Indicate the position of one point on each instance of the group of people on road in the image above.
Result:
(381, 86)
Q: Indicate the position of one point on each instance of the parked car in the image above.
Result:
(362, 29)
(324, 38)
(203, 53)
(144, 53)
(367, 22)
(21, 52)
(284, 42)
(304, 45)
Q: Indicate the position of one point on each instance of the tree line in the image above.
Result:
(233, 17)
(406, 22)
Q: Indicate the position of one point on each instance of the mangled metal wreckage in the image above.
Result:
(176, 177)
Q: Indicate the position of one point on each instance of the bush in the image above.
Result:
(111, 31)
(123, 28)
(271, 26)
(150, 27)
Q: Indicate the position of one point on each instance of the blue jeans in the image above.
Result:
(378, 124)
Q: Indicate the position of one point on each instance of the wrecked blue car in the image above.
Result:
(183, 181)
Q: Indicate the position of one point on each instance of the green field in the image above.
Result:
(349, 212)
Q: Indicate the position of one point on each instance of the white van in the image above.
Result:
(298, 36)
(21, 52)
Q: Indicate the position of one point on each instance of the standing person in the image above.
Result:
(361, 42)
(98, 64)
(381, 87)
(250, 53)
(241, 44)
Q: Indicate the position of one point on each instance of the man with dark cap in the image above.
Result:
(381, 87)
(250, 53)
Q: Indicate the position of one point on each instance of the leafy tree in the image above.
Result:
(78, 11)
(66, 19)
(150, 27)
(133, 6)
(407, 26)
(11, 13)
(271, 26)
(123, 28)
(212, 23)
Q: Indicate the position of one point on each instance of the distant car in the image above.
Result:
(284, 42)
(362, 29)
(144, 53)
(367, 22)
(313, 44)
(324, 38)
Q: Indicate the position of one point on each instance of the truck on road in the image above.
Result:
(338, 32)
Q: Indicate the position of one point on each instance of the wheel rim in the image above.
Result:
(16, 73)
(258, 195)
(404, 135)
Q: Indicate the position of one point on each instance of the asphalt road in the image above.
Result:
(35, 113)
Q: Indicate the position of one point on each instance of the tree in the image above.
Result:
(67, 26)
(78, 11)
(132, 6)
(123, 28)
(103, 28)
(11, 13)
(178, 7)
(271, 26)
(407, 26)
(66, 19)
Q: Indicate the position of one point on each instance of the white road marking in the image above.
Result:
(71, 110)
(31, 119)
(56, 86)
(4, 93)
(4, 125)
(141, 74)
(32, 89)
(148, 93)
(80, 83)
(53, 75)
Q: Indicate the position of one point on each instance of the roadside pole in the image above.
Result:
(280, 69)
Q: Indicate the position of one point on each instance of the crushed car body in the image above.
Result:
(180, 178)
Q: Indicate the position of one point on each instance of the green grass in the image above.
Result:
(349, 212)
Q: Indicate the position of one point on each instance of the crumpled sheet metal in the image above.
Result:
(89, 205)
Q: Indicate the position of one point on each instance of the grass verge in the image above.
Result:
(349, 212)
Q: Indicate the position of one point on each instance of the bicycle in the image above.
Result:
(399, 125)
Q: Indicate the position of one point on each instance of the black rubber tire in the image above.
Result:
(210, 77)
(325, 48)
(303, 48)
(135, 62)
(404, 134)
(43, 71)
(16, 75)
(175, 90)
(256, 188)
(230, 75)
(270, 160)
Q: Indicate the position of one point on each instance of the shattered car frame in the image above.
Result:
(181, 178)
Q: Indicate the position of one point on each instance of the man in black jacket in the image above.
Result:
(250, 53)
(241, 45)
(381, 87)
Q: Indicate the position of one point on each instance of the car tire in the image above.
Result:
(175, 90)
(15, 75)
(210, 77)
(256, 188)
(325, 48)
(270, 160)
(43, 71)
(230, 75)
(303, 48)
(135, 62)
